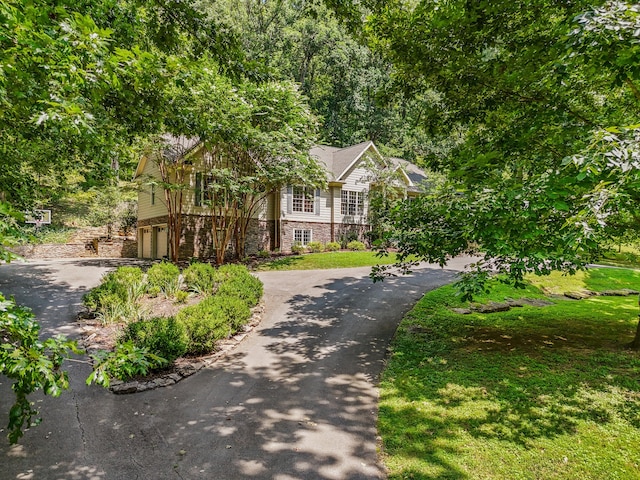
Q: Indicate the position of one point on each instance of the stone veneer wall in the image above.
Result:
(321, 232)
(197, 237)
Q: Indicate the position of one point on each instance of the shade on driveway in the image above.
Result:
(296, 400)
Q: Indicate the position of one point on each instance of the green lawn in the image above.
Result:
(532, 393)
(320, 261)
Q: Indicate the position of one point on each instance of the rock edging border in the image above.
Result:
(185, 367)
(508, 304)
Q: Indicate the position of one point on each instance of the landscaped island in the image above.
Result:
(159, 316)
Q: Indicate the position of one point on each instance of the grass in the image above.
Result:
(624, 256)
(321, 261)
(532, 393)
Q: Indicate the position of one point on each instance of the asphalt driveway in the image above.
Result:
(296, 400)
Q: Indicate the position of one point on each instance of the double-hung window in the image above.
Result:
(203, 188)
(301, 237)
(352, 203)
(303, 199)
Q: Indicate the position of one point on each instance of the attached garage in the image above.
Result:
(162, 241)
(145, 242)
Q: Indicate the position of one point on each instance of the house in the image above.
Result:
(296, 214)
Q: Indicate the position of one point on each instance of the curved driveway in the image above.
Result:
(296, 400)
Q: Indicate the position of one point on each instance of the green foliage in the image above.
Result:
(124, 362)
(205, 324)
(332, 246)
(494, 394)
(32, 364)
(315, 247)
(181, 296)
(165, 276)
(244, 286)
(297, 248)
(49, 234)
(356, 245)
(234, 308)
(162, 336)
(200, 278)
(114, 309)
(115, 299)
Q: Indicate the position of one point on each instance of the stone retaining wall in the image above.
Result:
(117, 248)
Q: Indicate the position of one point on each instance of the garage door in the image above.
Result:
(162, 242)
(146, 242)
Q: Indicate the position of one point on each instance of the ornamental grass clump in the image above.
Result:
(200, 278)
(115, 299)
(166, 277)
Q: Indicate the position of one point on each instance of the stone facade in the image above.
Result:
(322, 232)
(197, 238)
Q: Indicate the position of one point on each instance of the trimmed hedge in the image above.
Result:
(164, 336)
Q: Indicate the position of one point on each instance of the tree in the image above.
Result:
(534, 106)
(79, 82)
(255, 139)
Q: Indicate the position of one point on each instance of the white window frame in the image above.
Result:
(299, 235)
(352, 202)
(303, 200)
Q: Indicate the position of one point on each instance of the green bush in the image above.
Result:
(200, 278)
(228, 271)
(264, 254)
(205, 323)
(235, 309)
(163, 336)
(127, 283)
(356, 245)
(332, 247)
(315, 247)
(244, 286)
(165, 276)
(181, 296)
(297, 248)
(126, 361)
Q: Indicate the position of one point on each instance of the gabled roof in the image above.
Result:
(338, 161)
(174, 148)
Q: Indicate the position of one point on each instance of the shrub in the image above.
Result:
(235, 309)
(205, 323)
(315, 247)
(165, 276)
(264, 254)
(163, 336)
(332, 247)
(126, 361)
(244, 286)
(200, 278)
(355, 245)
(297, 248)
(228, 271)
(127, 283)
(181, 296)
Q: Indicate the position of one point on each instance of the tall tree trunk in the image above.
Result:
(635, 344)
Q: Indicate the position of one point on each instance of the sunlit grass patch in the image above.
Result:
(326, 260)
(535, 392)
